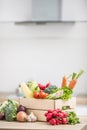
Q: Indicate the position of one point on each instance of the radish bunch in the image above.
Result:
(56, 117)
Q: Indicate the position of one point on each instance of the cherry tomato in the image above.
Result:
(36, 94)
(43, 94)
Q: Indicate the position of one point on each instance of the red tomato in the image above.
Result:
(36, 94)
(43, 94)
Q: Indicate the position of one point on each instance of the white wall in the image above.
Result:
(42, 53)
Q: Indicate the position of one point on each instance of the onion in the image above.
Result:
(2, 116)
(21, 116)
(22, 108)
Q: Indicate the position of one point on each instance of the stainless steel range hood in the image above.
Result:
(46, 10)
(43, 10)
(30, 10)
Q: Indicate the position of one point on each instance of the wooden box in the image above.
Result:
(40, 106)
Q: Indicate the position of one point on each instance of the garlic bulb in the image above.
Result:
(31, 117)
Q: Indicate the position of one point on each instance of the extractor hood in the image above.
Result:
(43, 10)
(30, 10)
(46, 10)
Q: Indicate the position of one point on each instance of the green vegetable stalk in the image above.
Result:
(72, 118)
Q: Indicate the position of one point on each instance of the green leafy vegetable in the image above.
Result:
(33, 86)
(59, 93)
(56, 95)
(74, 75)
(67, 93)
(65, 107)
(51, 89)
(2, 106)
(79, 74)
(72, 118)
(10, 110)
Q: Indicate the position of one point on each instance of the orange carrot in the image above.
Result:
(64, 82)
(72, 83)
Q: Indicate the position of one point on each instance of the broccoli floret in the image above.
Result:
(11, 110)
(51, 89)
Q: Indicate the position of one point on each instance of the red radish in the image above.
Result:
(49, 116)
(58, 110)
(47, 119)
(61, 115)
(50, 111)
(57, 121)
(64, 121)
(52, 121)
(54, 114)
(46, 113)
(60, 121)
(56, 117)
(65, 114)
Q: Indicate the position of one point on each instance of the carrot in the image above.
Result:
(64, 82)
(72, 83)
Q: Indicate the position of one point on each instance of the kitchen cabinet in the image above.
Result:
(43, 10)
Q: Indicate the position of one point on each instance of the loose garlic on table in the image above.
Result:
(31, 117)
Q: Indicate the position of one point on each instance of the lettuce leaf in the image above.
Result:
(67, 93)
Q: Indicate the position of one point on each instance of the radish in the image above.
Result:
(52, 121)
(64, 121)
(49, 116)
(54, 114)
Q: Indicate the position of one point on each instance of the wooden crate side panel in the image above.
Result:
(43, 104)
(71, 102)
(39, 114)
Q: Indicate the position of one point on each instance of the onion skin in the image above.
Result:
(21, 116)
(2, 116)
(22, 108)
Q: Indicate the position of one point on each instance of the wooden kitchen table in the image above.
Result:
(4, 125)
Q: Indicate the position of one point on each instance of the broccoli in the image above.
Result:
(10, 110)
(51, 89)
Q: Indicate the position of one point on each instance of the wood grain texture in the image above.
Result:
(4, 125)
(45, 104)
